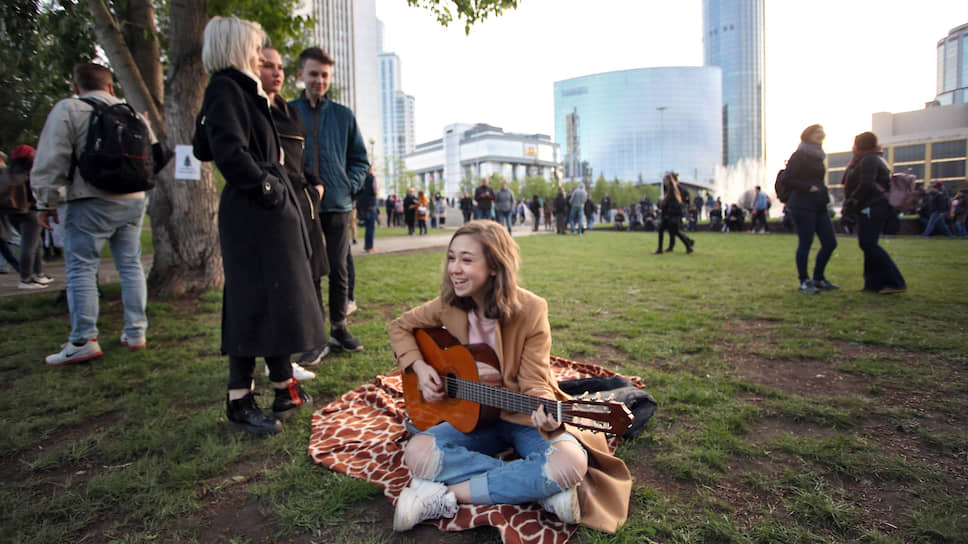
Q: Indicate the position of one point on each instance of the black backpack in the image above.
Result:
(117, 156)
(781, 187)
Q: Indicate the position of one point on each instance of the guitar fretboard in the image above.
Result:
(488, 395)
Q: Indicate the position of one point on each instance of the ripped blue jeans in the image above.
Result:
(470, 456)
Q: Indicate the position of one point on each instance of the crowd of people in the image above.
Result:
(297, 183)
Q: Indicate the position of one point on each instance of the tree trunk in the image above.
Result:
(183, 212)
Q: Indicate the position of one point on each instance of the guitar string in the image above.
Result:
(502, 398)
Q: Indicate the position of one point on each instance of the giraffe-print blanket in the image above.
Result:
(362, 434)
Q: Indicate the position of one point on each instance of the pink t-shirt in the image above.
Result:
(484, 331)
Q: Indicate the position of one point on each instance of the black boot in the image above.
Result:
(245, 414)
(289, 399)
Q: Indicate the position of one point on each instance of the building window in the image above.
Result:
(838, 160)
(948, 169)
(908, 153)
(947, 150)
(835, 177)
(916, 168)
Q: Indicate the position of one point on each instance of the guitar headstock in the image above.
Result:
(597, 414)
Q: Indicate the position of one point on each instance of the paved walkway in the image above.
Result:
(108, 275)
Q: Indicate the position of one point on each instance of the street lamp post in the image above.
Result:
(661, 110)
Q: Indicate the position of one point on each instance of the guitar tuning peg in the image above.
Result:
(610, 397)
(598, 396)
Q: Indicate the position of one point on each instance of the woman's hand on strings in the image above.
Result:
(543, 421)
(429, 382)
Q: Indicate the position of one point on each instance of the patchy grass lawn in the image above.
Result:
(838, 417)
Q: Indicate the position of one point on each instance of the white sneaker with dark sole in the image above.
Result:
(133, 343)
(299, 373)
(70, 353)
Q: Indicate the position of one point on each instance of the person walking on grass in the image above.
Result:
(671, 207)
(577, 202)
(867, 181)
(806, 174)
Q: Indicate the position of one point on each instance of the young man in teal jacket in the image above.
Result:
(336, 153)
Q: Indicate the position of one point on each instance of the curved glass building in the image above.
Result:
(733, 40)
(953, 67)
(635, 125)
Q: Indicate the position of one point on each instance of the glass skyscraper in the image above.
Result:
(953, 67)
(637, 124)
(733, 40)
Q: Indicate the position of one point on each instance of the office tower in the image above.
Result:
(397, 115)
(347, 30)
(733, 40)
(953, 67)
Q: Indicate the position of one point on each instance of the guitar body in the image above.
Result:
(448, 357)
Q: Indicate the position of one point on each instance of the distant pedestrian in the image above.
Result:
(466, 205)
(484, 198)
(672, 215)
(504, 205)
(760, 205)
(577, 202)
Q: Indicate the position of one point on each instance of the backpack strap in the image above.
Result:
(98, 107)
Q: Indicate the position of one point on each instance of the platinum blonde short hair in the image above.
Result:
(228, 42)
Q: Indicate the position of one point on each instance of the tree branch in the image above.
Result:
(125, 69)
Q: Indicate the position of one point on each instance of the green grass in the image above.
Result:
(782, 417)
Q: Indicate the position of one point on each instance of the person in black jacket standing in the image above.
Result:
(867, 179)
(807, 204)
(671, 207)
(309, 189)
(264, 241)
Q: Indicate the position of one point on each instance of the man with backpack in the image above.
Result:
(939, 204)
(94, 215)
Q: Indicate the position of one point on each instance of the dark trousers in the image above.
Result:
(336, 230)
(241, 368)
(808, 223)
(759, 218)
(350, 276)
(369, 224)
(879, 269)
(672, 227)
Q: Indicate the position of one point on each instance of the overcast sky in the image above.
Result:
(829, 62)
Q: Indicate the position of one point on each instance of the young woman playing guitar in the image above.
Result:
(569, 471)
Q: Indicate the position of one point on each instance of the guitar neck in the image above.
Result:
(503, 399)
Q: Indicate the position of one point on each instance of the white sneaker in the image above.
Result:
(70, 353)
(299, 373)
(421, 501)
(564, 505)
(351, 307)
(43, 278)
(31, 283)
(133, 343)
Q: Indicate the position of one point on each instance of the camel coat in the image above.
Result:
(524, 350)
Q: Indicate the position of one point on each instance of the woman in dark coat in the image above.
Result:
(806, 174)
(264, 241)
(866, 182)
(410, 210)
(671, 207)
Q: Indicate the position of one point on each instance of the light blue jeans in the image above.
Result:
(504, 218)
(576, 216)
(470, 456)
(88, 223)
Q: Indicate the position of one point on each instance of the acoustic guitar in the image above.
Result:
(470, 403)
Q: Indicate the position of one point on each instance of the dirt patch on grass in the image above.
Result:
(803, 377)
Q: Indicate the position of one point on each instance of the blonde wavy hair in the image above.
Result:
(501, 256)
(228, 42)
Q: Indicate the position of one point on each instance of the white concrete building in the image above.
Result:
(482, 150)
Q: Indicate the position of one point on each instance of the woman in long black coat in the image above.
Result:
(267, 310)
